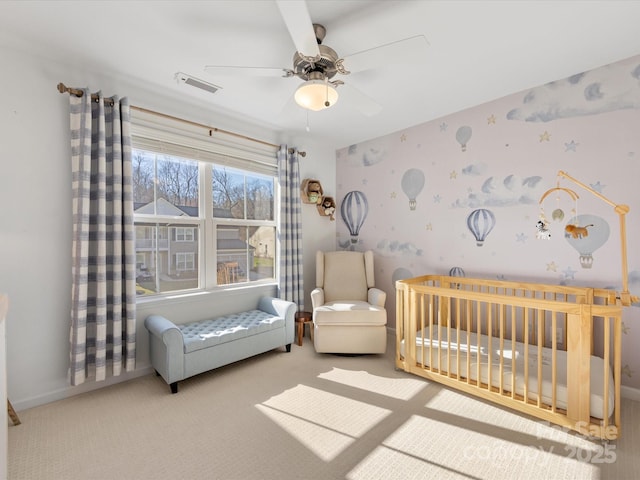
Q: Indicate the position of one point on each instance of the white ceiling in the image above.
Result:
(478, 51)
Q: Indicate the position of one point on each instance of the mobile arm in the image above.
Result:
(625, 297)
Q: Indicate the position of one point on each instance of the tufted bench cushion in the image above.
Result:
(206, 333)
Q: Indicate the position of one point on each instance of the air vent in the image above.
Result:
(196, 82)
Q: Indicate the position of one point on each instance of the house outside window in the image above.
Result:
(202, 220)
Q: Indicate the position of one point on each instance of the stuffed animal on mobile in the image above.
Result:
(543, 232)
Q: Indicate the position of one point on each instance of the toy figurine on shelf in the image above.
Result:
(327, 207)
(311, 191)
(314, 192)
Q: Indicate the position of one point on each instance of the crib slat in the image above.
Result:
(554, 373)
(513, 351)
(469, 309)
(489, 346)
(540, 322)
(526, 342)
(605, 370)
(617, 368)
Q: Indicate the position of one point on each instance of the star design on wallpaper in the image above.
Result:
(625, 329)
(570, 146)
(569, 274)
(429, 227)
(443, 127)
(437, 198)
(552, 267)
(491, 120)
(403, 138)
(364, 181)
(393, 195)
(545, 137)
(627, 370)
(598, 187)
(521, 237)
(453, 174)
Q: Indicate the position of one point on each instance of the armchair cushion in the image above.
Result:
(351, 313)
(344, 276)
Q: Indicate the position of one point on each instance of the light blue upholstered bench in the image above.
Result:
(179, 351)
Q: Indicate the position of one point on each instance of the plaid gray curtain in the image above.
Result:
(291, 279)
(103, 310)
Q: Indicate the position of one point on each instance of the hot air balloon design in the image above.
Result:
(412, 184)
(586, 233)
(456, 272)
(354, 210)
(400, 274)
(463, 135)
(481, 222)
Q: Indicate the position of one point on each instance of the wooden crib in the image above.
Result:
(549, 351)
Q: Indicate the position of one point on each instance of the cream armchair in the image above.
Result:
(348, 311)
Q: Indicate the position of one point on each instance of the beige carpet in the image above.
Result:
(303, 415)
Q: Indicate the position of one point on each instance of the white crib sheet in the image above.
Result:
(492, 356)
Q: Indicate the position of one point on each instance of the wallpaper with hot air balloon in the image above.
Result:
(461, 195)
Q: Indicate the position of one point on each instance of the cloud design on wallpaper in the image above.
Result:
(474, 170)
(582, 94)
(506, 193)
(395, 247)
(365, 156)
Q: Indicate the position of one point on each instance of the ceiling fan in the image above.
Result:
(317, 64)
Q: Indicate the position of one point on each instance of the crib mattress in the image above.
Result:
(489, 358)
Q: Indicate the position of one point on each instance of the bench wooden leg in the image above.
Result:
(12, 414)
(174, 387)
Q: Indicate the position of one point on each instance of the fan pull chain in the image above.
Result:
(307, 128)
(326, 102)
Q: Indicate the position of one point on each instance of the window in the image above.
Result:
(203, 219)
(184, 234)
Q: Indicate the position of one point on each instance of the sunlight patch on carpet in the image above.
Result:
(324, 422)
(400, 388)
(426, 448)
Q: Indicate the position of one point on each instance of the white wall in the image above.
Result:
(35, 222)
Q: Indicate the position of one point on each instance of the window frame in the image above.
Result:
(167, 136)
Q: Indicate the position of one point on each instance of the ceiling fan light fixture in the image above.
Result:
(316, 95)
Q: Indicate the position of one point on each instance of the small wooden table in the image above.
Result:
(302, 318)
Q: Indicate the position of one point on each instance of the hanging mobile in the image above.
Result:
(543, 224)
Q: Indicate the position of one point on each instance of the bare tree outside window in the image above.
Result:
(228, 193)
(178, 181)
(143, 176)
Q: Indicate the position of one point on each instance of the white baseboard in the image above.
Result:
(630, 393)
(69, 391)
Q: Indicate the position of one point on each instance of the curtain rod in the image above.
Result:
(62, 88)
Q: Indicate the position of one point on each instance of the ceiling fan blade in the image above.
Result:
(246, 71)
(411, 50)
(365, 104)
(296, 18)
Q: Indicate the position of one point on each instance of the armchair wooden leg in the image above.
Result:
(12, 414)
